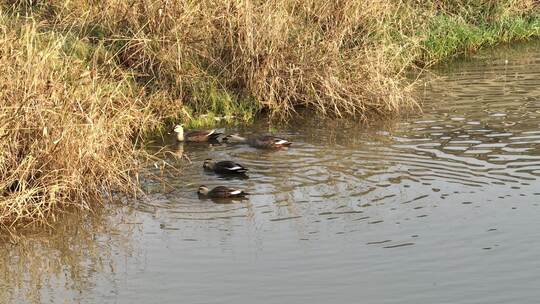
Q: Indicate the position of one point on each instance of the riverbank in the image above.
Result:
(82, 83)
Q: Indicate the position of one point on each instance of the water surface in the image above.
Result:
(438, 207)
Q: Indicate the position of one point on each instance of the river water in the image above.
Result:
(438, 207)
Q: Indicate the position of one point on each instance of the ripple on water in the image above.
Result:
(474, 151)
(477, 136)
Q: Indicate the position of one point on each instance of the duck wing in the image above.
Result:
(202, 135)
(226, 192)
(219, 192)
(227, 167)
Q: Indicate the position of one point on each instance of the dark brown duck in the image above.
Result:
(224, 167)
(220, 192)
(260, 142)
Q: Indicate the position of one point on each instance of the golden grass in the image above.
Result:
(65, 127)
(82, 80)
(280, 53)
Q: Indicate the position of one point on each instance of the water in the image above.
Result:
(439, 207)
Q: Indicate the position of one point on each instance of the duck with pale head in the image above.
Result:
(195, 135)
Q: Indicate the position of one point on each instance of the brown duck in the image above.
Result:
(224, 167)
(261, 142)
(195, 135)
(220, 192)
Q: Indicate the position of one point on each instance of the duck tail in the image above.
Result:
(241, 172)
(282, 143)
(236, 169)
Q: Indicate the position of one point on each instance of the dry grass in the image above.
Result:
(65, 127)
(82, 79)
(276, 54)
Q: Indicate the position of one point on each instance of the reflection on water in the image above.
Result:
(63, 263)
(440, 207)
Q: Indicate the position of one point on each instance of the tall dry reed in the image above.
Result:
(65, 127)
(280, 53)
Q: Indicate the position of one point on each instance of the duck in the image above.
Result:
(195, 135)
(224, 167)
(261, 142)
(220, 192)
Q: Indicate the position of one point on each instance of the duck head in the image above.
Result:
(203, 190)
(208, 164)
(179, 130)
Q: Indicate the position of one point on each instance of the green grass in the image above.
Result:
(449, 36)
(218, 106)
